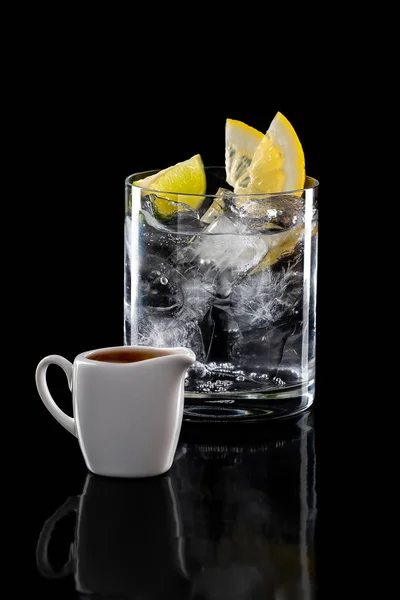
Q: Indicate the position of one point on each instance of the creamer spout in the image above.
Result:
(183, 356)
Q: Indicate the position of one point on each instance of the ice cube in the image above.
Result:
(217, 207)
(265, 298)
(261, 349)
(197, 298)
(226, 246)
(163, 332)
(266, 213)
(184, 220)
(281, 247)
(160, 289)
(290, 366)
(165, 291)
(220, 256)
(223, 225)
(163, 235)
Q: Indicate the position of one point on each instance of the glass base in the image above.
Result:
(248, 408)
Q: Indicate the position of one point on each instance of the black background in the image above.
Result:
(80, 145)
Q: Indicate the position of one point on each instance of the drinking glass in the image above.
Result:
(234, 281)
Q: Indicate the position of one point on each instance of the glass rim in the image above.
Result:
(312, 184)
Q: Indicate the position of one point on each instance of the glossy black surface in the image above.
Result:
(83, 129)
(233, 519)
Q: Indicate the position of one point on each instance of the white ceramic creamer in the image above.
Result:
(127, 406)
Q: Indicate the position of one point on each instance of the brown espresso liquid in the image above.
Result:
(126, 355)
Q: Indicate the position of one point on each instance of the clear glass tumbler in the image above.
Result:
(235, 281)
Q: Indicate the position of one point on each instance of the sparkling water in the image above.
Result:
(235, 282)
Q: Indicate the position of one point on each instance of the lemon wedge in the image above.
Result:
(280, 244)
(241, 142)
(176, 184)
(262, 164)
(278, 163)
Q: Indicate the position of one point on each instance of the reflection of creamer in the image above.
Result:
(128, 539)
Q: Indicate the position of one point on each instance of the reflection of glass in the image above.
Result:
(235, 281)
(249, 514)
(128, 539)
